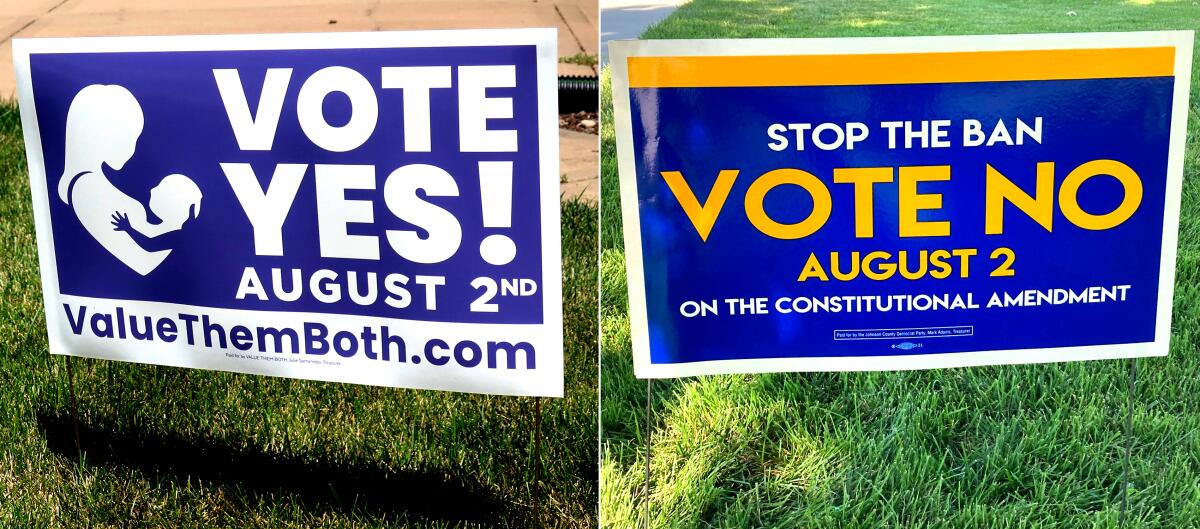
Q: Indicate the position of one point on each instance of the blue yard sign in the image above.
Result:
(378, 208)
(899, 203)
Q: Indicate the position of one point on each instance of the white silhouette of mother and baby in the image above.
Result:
(104, 123)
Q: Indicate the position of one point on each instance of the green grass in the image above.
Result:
(168, 447)
(581, 58)
(992, 447)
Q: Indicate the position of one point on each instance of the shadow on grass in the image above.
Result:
(363, 490)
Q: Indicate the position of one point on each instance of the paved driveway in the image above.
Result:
(575, 20)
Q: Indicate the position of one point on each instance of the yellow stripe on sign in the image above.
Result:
(900, 68)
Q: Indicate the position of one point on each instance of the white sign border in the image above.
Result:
(545, 381)
(620, 51)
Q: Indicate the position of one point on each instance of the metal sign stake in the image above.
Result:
(646, 488)
(74, 410)
(1128, 440)
(537, 462)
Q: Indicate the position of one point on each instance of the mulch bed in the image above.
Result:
(580, 122)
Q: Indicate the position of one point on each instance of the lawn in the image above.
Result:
(993, 447)
(168, 447)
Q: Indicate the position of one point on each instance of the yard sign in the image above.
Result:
(377, 208)
(899, 203)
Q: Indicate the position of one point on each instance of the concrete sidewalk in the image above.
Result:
(578, 31)
(627, 19)
(576, 20)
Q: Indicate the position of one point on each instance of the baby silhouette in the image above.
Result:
(175, 201)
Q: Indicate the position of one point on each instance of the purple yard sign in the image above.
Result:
(377, 208)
